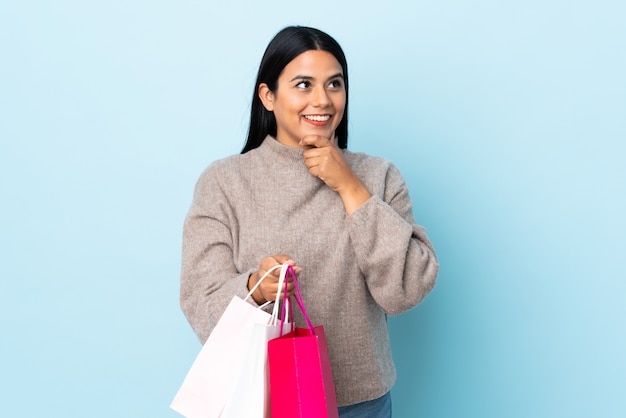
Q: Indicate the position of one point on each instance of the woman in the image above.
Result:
(296, 195)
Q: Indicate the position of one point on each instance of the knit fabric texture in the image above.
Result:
(356, 269)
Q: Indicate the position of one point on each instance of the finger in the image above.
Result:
(284, 259)
(315, 157)
(316, 141)
(269, 262)
(318, 162)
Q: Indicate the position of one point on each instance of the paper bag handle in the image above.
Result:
(281, 280)
(299, 301)
(260, 280)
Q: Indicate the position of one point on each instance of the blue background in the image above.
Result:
(508, 120)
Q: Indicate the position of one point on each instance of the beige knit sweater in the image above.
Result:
(355, 269)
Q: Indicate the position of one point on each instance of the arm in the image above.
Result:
(209, 276)
(393, 252)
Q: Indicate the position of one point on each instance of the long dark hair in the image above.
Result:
(287, 45)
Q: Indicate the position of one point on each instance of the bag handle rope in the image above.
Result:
(281, 280)
(297, 297)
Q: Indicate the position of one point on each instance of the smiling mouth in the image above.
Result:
(317, 118)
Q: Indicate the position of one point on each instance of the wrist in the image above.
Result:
(256, 295)
(354, 195)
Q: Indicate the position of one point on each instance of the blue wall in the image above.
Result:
(508, 120)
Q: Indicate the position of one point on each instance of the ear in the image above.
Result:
(267, 97)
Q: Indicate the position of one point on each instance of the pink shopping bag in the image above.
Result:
(301, 378)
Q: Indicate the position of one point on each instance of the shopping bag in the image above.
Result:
(239, 340)
(300, 373)
(251, 396)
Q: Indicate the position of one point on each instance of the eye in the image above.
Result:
(303, 85)
(335, 84)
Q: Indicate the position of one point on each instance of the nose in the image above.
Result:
(320, 97)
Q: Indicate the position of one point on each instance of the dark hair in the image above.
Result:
(286, 46)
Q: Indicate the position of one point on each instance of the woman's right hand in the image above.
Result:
(268, 289)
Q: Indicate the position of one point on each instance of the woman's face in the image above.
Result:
(309, 99)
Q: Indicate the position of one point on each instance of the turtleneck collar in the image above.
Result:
(282, 150)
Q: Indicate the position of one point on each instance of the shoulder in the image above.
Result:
(379, 175)
(370, 165)
(220, 167)
(221, 172)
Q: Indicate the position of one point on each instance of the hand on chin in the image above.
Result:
(328, 134)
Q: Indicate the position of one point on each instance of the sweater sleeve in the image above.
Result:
(393, 252)
(209, 278)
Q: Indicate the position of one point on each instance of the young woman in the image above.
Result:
(296, 195)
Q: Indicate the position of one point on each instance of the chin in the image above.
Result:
(325, 132)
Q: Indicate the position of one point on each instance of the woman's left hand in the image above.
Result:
(325, 161)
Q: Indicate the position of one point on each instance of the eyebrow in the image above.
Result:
(306, 77)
